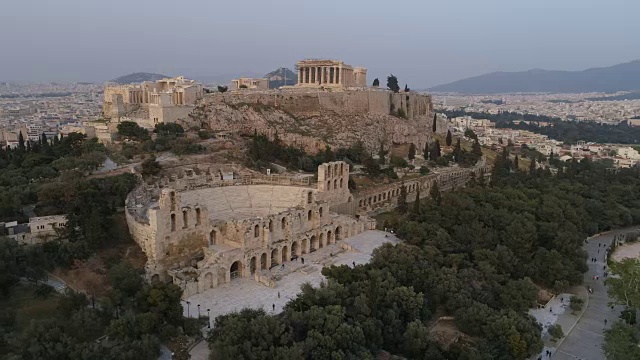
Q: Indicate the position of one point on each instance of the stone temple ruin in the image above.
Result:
(203, 231)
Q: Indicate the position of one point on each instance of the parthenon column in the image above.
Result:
(299, 75)
(338, 74)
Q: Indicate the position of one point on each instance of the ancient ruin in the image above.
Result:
(329, 73)
(150, 103)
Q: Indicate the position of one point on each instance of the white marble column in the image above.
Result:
(299, 75)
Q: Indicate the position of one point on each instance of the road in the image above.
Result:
(586, 339)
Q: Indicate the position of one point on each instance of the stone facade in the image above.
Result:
(150, 103)
(250, 83)
(329, 73)
(204, 234)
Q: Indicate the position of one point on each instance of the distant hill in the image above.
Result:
(277, 78)
(621, 77)
(138, 78)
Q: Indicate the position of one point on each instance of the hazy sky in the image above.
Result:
(424, 42)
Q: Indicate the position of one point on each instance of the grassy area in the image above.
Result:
(30, 307)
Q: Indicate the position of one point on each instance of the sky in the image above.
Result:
(424, 43)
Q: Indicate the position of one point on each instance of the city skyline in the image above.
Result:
(423, 44)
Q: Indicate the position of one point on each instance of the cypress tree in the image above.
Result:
(435, 118)
(457, 152)
(532, 166)
(381, 154)
(402, 200)
(412, 152)
(435, 193)
(21, 141)
(449, 139)
(416, 204)
(425, 151)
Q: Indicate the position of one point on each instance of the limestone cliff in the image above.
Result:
(312, 121)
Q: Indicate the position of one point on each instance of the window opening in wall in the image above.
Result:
(198, 218)
(320, 211)
(284, 223)
(270, 225)
(340, 183)
(309, 197)
(335, 183)
(173, 222)
(329, 185)
(341, 169)
(212, 237)
(256, 231)
(172, 196)
(185, 219)
(309, 216)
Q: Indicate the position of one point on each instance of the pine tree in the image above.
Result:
(516, 163)
(416, 204)
(402, 200)
(435, 193)
(435, 119)
(392, 83)
(412, 152)
(449, 139)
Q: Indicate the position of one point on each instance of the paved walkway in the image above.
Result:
(584, 340)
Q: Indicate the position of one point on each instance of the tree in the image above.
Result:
(532, 166)
(556, 332)
(449, 138)
(426, 151)
(151, 167)
(392, 83)
(625, 287)
(402, 200)
(222, 89)
(376, 82)
(434, 126)
(381, 154)
(621, 342)
(416, 204)
(21, 145)
(476, 150)
(406, 88)
(412, 152)
(131, 130)
(371, 167)
(470, 134)
(516, 163)
(169, 129)
(435, 151)
(434, 192)
(457, 152)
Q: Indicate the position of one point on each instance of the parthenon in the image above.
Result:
(329, 73)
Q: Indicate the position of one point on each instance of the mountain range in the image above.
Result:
(138, 78)
(621, 77)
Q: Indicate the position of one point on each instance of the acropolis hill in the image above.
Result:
(330, 105)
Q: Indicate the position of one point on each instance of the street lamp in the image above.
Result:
(208, 318)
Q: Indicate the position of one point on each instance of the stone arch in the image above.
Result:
(329, 238)
(263, 261)
(252, 265)
(309, 215)
(208, 281)
(270, 225)
(295, 250)
(198, 216)
(284, 223)
(322, 240)
(235, 270)
(338, 234)
(256, 231)
(309, 197)
(285, 254)
(185, 219)
(329, 184)
(213, 238)
(173, 222)
(335, 169)
(304, 246)
(341, 183)
(274, 257)
(360, 203)
(350, 199)
(335, 183)
(172, 197)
